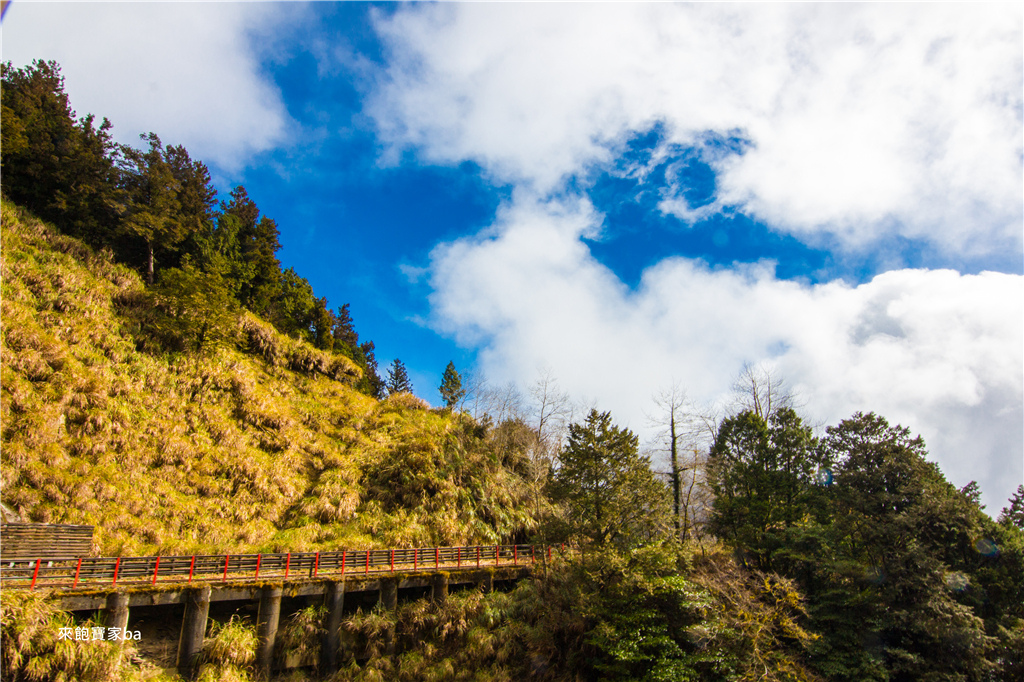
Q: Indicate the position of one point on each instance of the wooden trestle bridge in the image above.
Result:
(113, 585)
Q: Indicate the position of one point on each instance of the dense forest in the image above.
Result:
(166, 381)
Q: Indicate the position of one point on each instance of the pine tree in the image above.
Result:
(1013, 513)
(451, 386)
(371, 383)
(60, 169)
(153, 211)
(762, 473)
(398, 379)
(609, 491)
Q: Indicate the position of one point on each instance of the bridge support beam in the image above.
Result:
(334, 602)
(266, 628)
(439, 588)
(486, 582)
(389, 600)
(193, 630)
(117, 613)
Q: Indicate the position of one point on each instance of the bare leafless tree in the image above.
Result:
(762, 390)
(552, 407)
(685, 433)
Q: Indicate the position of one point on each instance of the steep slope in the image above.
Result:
(260, 445)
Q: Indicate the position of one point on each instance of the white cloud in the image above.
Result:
(865, 120)
(188, 71)
(937, 351)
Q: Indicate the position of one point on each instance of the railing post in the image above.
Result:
(316, 563)
(117, 567)
(156, 569)
(459, 564)
(497, 553)
(478, 556)
(343, 553)
(35, 574)
(191, 569)
(415, 558)
(515, 555)
(227, 557)
(259, 557)
(437, 557)
(367, 562)
(392, 561)
(78, 570)
(287, 565)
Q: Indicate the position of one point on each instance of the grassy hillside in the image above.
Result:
(259, 445)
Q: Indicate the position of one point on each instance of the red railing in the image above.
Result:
(93, 572)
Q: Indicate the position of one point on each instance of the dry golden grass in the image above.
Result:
(261, 447)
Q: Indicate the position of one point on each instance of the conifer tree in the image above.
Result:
(398, 379)
(59, 168)
(1013, 513)
(451, 386)
(153, 210)
(610, 494)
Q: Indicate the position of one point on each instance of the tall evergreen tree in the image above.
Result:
(451, 386)
(1013, 513)
(610, 494)
(344, 329)
(61, 169)
(398, 379)
(153, 211)
(371, 382)
(883, 597)
(762, 473)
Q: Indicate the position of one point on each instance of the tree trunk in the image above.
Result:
(675, 471)
(149, 262)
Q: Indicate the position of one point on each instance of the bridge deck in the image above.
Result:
(96, 573)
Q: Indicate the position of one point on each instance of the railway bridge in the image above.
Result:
(171, 587)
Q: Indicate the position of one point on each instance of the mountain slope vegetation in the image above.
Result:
(261, 444)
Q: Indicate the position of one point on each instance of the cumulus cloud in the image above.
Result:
(188, 71)
(937, 351)
(862, 121)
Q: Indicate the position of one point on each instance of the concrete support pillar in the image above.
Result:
(266, 629)
(334, 603)
(389, 599)
(486, 582)
(193, 630)
(439, 588)
(117, 613)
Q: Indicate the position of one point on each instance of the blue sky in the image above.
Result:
(625, 195)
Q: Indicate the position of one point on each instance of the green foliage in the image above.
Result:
(651, 614)
(56, 166)
(762, 475)
(152, 210)
(905, 577)
(155, 209)
(451, 386)
(192, 311)
(1013, 513)
(608, 489)
(398, 379)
